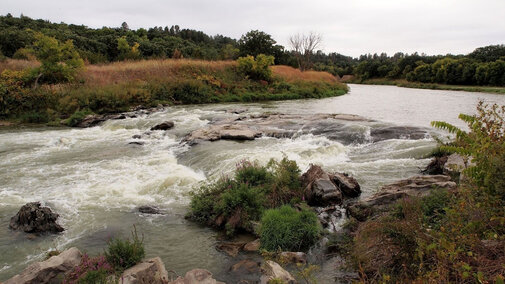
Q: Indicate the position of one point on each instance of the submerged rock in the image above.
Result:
(49, 270)
(147, 272)
(417, 186)
(397, 132)
(148, 209)
(230, 248)
(32, 218)
(196, 276)
(164, 126)
(245, 267)
(272, 270)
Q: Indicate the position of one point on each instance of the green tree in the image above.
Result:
(127, 52)
(59, 61)
(256, 42)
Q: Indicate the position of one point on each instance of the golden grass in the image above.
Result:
(144, 70)
(291, 74)
(17, 65)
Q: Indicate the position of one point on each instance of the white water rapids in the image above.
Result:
(95, 180)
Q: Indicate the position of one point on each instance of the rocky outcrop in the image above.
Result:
(32, 218)
(417, 186)
(47, 271)
(164, 126)
(196, 276)
(151, 271)
(323, 189)
(272, 270)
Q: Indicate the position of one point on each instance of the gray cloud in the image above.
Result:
(348, 27)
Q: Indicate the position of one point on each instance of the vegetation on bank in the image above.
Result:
(257, 193)
(449, 236)
(431, 86)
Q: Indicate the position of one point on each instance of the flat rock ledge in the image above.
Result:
(417, 186)
(49, 270)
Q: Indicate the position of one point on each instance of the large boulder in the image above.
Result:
(32, 218)
(197, 276)
(272, 270)
(149, 271)
(417, 186)
(49, 270)
(324, 192)
(348, 185)
(163, 126)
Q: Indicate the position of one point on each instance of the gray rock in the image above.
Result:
(147, 272)
(148, 209)
(49, 270)
(324, 192)
(272, 270)
(245, 267)
(32, 218)
(348, 185)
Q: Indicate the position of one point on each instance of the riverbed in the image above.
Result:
(95, 179)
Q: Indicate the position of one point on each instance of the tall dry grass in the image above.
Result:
(144, 70)
(291, 74)
(17, 65)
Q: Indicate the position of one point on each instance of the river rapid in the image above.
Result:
(95, 179)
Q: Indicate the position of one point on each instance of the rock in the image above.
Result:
(149, 271)
(91, 120)
(137, 136)
(148, 209)
(436, 166)
(47, 271)
(348, 185)
(329, 217)
(138, 143)
(398, 132)
(32, 218)
(245, 267)
(217, 132)
(196, 276)
(455, 165)
(163, 126)
(314, 172)
(293, 257)
(252, 246)
(230, 248)
(417, 186)
(324, 192)
(272, 270)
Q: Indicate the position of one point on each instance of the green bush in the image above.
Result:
(77, 117)
(95, 277)
(35, 117)
(256, 69)
(288, 229)
(123, 253)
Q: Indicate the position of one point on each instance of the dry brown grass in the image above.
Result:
(291, 74)
(143, 70)
(17, 65)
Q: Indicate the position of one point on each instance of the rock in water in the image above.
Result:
(32, 218)
(148, 209)
(348, 185)
(253, 246)
(147, 272)
(47, 271)
(163, 126)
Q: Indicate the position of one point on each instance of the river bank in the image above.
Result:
(431, 86)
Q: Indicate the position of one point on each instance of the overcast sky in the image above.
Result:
(351, 27)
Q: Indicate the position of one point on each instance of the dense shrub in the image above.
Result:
(77, 117)
(256, 68)
(123, 253)
(287, 229)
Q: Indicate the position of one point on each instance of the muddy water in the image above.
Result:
(95, 179)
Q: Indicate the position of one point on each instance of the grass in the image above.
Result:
(431, 86)
(118, 86)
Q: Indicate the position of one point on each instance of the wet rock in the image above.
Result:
(197, 276)
(245, 267)
(436, 166)
(293, 257)
(91, 120)
(397, 132)
(163, 126)
(49, 270)
(226, 131)
(148, 209)
(252, 246)
(272, 270)
(237, 110)
(328, 217)
(149, 271)
(348, 185)
(137, 136)
(230, 248)
(32, 218)
(417, 186)
(138, 143)
(324, 192)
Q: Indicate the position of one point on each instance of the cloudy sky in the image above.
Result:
(351, 27)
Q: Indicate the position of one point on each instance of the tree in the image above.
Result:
(256, 42)
(303, 46)
(59, 61)
(125, 27)
(126, 51)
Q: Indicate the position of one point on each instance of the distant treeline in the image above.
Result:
(484, 66)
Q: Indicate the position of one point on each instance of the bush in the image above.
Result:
(287, 229)
(256, 69)
(123, 254)
(35, 117)
(77, 117)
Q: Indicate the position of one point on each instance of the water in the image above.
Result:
(95, 180)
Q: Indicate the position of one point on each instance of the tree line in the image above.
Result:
(484, 66)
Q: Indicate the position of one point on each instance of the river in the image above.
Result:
(95, 179)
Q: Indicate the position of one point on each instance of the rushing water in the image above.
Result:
(95, 180)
